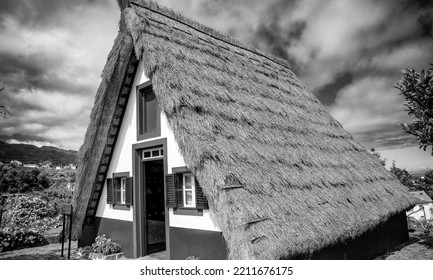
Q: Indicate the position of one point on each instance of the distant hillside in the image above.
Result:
(417, 174)
(32, 154)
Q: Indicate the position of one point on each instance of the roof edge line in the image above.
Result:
(213, 36)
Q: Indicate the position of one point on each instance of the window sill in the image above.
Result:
(188, 211)
(121, 207)
(148, 135)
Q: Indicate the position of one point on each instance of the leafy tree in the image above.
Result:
(428, 177)
(4, 110)
(43, 181)
(402, 175)
(417, 89)
(13, 180)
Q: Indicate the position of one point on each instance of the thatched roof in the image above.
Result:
(421, 197)
(241, 117)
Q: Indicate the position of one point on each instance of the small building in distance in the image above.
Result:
(16, 163)
(71, 166)
(423, 210)
(46, 164)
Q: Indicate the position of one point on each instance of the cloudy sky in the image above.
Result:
(348, 53)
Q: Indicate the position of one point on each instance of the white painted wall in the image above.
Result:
(122, 162)
(414, 213)
(204, 222)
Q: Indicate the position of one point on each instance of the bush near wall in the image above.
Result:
(102, 248)
(20, 240)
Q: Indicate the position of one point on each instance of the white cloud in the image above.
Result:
(65, 61)
(409, 158)
(60, 119)
(367, 104)
(412, 54)
(33, 142)
(329, 44)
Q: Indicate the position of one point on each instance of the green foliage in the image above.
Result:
(29, 213)
(19, 240)
(428, 177)
(4, 110)
(417, 89)
(84, 252)
(402, 175)
(105, 246)
(14, 180)
(19, 180)
(59, 192)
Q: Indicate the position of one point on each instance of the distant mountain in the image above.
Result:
(32, 154)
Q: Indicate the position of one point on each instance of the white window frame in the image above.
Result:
(119, 189)
(123, 190)
(160, 153)
(184, 190)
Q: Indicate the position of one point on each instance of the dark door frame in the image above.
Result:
(139, 223)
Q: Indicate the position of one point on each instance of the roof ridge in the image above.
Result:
(163, 11)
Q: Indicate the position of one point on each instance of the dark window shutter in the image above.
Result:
(110, 197)
(201, 200)
(170, 199)
(128, 191)
(178, 181)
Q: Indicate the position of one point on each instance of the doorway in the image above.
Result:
(151, 219)
(154, 207)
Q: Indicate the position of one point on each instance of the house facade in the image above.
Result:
(146, 219)
(205, 147)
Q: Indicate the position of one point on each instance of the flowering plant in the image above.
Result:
(105, 246)
(30, 213)
(20, 239)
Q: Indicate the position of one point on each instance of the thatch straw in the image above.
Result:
(241, 118)
(96, 138)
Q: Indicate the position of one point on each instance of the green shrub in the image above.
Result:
(30, 213)
(16, 180)
(105, 246)
(84, 252)
(20, 240)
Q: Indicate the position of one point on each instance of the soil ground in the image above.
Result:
(419, 247)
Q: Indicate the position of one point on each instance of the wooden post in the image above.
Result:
(63, 233)
(70, 234)
(2, 199)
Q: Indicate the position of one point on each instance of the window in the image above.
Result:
(152, 153)
(188, 190)
(148, 115)
(183, 190)
(119, 190)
